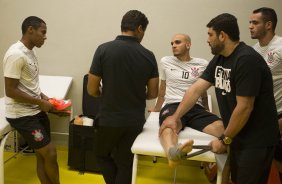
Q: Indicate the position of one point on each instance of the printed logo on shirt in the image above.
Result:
(222, 79)
(270, 57)
(195, 72)
(38, 136)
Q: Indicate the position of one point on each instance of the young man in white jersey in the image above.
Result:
(178, 73)
(26, 105)
(262, 27)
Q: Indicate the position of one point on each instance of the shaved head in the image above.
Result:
(181, 44)
(185, 37)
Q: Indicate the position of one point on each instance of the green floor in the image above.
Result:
(21, 170)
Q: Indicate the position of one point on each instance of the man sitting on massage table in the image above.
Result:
(177, 73)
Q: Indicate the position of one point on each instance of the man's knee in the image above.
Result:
(48, 151)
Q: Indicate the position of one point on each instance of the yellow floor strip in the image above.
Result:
(21, 170)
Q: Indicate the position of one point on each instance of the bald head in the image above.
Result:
(181, 44)
(182, 36)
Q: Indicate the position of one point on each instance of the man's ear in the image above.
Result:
(188, 45)
(30, 29)
(222, 35)
(140, 28)
(268, 25)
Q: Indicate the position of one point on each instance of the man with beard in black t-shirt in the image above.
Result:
(244, 90)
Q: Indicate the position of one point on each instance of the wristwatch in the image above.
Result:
(225, 140)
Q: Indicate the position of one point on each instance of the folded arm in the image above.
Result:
(93, 85)
(160, 99)
(152, 88)
(12, 91)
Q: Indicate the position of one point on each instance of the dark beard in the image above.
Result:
(259, 35)
(217, 49)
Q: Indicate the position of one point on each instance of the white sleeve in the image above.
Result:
(13, 66)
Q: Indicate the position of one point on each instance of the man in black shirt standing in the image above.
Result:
(129, 76)
(244, 90)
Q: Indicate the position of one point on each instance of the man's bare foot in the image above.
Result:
(178, 152)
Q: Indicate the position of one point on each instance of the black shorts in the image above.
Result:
(197, 117)
(34, 129)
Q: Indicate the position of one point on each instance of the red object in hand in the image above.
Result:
(60, 104)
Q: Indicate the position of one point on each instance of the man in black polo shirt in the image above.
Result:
(129, 74)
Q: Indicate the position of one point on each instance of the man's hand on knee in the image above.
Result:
(171, 122)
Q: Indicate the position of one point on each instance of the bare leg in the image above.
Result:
(169, 140)
(48, 157)
(41, 170)
(216, 128)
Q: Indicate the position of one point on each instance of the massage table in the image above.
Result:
(52, 86)
(147, 143)
(5, 129)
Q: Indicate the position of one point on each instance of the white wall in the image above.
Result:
(77, 27)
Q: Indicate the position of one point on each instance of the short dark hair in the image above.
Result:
(132, 19)
(227, 23)
(268, 14)
(33, 21)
